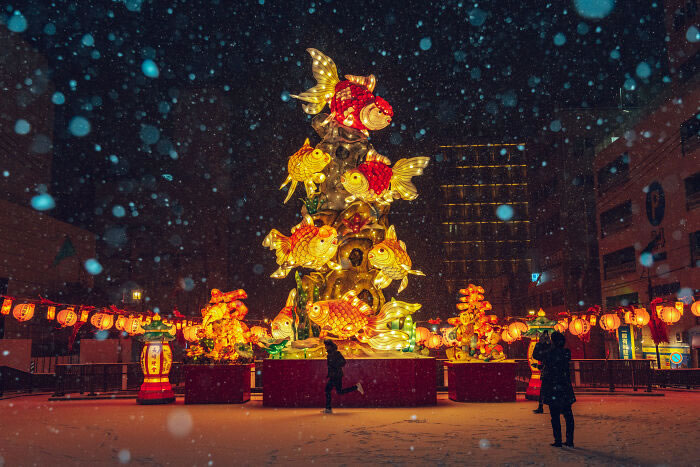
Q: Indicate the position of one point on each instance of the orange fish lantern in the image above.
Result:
(308, 247)
(102, 321)
(375, 180)
(283, 324)
(349, 316)
(259, 332)
(24, 312)
(392, 260)
(351, 102)
(67, 317)
(305, 166)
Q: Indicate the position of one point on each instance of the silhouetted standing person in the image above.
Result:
(336, 362)
(556, 390)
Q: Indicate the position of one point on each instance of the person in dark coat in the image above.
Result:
(556, 389)
(336, 362)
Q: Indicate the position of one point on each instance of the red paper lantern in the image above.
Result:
(562, 325)
(434, 341)
(422, 335)
(6, 306)
(695, 308)
(23, 312)
(669, 314)
(505, 335)
(639, 317)
(102, 321)
(517, 329)
(51, 313)
(190, 332)
(579, 327)
(132, 326)
(610, 322)
(67, 317)
(119, 323)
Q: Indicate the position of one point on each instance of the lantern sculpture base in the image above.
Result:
(153, 393)
(481, 381)
(400, 382)
(533, 388)
(217, 384)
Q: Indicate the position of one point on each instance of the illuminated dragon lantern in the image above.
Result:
(350, 254)
(477, 334)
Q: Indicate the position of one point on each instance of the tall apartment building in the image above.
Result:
(648, 198)
(485, 219)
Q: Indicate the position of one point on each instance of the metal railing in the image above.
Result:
(94, 378)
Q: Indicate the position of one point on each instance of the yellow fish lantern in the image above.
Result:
(390, 257)
(282, 326)
(349, 316)
(305, 166)
(308, 247)
(375, 180)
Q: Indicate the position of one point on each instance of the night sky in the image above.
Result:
(452, 71)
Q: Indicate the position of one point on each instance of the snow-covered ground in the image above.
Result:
(610, 430)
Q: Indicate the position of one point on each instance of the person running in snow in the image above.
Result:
(556, 390)
(336, 362)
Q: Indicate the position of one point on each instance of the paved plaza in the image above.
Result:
(610, 430)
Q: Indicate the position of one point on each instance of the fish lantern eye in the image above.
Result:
(381, 250)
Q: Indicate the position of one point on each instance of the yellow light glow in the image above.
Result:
(136, 295)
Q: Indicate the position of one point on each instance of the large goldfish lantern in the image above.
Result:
(392, 260)
(345, 239)
(305, 166)
(349, 316)
(308, 246)
(351, 102)
(375, 180)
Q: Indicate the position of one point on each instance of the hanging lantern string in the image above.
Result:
(111, 309)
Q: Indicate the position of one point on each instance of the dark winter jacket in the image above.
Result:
(556, 382)
(336, 362)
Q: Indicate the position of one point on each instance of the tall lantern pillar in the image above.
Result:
(156, 360)
(533, 387)
(535, 329)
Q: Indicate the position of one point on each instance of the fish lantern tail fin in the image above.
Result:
(379, 336)
(326, 75)
(403, 171)
(278, 242)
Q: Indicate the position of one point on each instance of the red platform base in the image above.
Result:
(155, 393)
(401, 382)
(481, 382)
(217, 384)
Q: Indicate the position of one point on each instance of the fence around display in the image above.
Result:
(99, 378)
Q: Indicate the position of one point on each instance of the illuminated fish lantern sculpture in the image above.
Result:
(308, 246)
(305, 166)
(392, 260)
(282, 325)
(376, 180)
(352, 101)
(348, 317)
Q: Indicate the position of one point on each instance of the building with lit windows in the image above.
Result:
(485, 219)
(648, 201)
